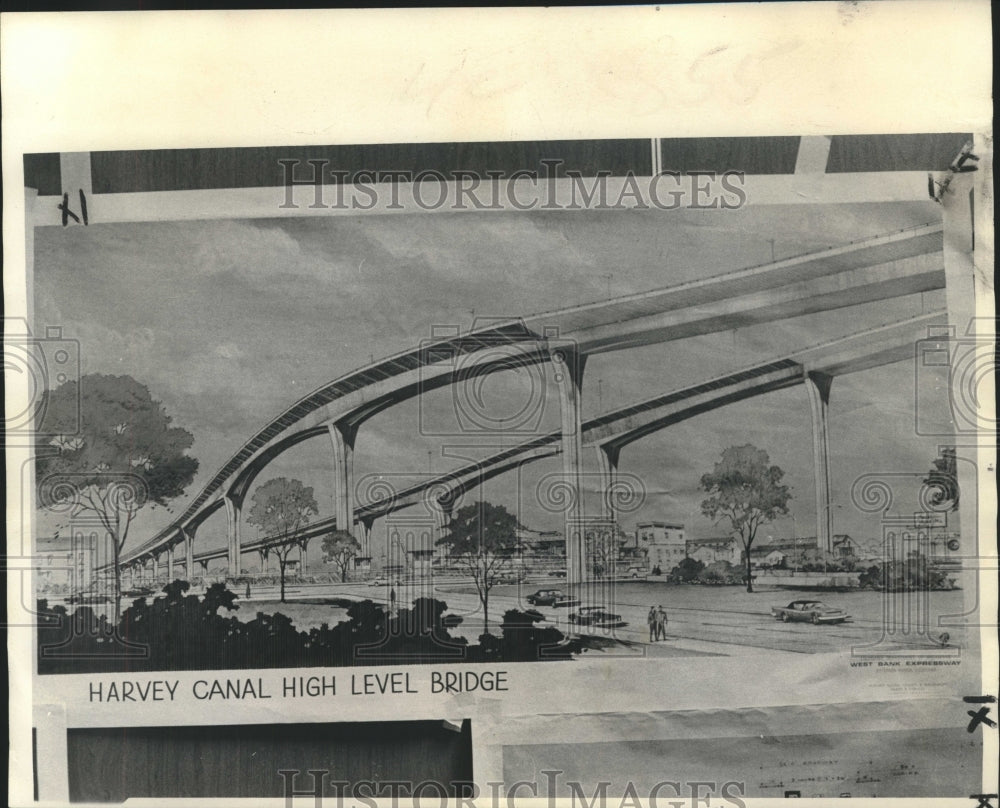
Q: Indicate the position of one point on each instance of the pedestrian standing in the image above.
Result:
(661, 623)
(651, 619)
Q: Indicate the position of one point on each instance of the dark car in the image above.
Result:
(545, 597)
(811, 611)
(557, 574)
(596, 616)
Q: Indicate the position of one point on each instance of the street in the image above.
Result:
(722, 620)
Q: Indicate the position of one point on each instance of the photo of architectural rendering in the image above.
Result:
(516, 402)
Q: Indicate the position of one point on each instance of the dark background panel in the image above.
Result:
(42, 172)
(201, 169)
(924, 152)
(751, 155)
(114, 764)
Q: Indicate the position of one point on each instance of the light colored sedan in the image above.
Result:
(810, 611)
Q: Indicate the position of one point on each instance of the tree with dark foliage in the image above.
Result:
(747, 492)
(112, 452)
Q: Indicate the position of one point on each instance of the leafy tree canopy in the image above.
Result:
(745, 490)
(105, 427)
(282, 506)
(340, 547)
(111, 451)
(480, 528)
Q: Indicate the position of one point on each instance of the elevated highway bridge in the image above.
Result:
(609, 433)
(893, 265)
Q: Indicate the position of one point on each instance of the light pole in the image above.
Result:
(795, 536)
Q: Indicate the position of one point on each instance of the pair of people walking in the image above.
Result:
(657, 620)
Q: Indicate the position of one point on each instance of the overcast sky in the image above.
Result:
(231, 321)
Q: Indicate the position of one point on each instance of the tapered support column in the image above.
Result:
(234, 513)
(366, 536)
(170, 562)
(263, 560)
(607, 459)
(188, 553)
(818, 387)
(303, 556)
(567, 368)
(342, 436)
(443, 509)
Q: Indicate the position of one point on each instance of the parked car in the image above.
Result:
(377, 582)
(596, 616)
(557, 574)
(545, 597)
(813, 611)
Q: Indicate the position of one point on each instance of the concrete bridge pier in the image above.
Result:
(365, 539)
(607, 459)
(264, 555)
(342, 436)
(567, 368)
(818, 388)
(170, 562)
(234, 511)
(188, 539)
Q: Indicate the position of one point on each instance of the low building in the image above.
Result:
(801, 550)
(67, 564)
(776, 558)
(708, 551)
(662, 543)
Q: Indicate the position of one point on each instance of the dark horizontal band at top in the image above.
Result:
(270, 166)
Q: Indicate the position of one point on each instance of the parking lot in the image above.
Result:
(701, 619)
